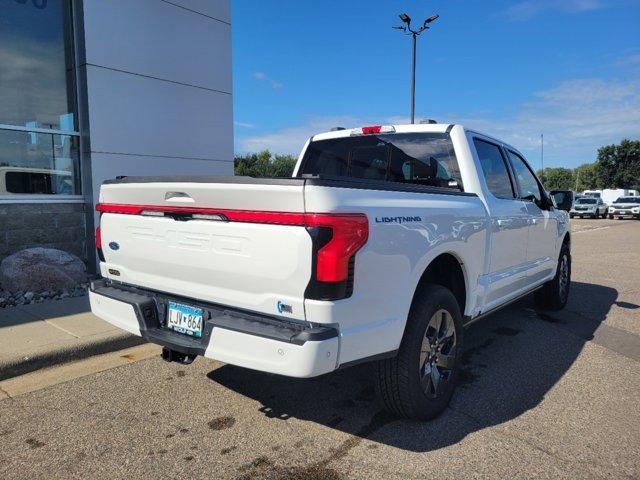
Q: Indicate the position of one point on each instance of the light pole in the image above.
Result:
(542, 155)
(406, 28)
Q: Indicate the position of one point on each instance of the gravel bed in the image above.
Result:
(12, 299)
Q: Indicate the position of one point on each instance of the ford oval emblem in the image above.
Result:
(114, 246)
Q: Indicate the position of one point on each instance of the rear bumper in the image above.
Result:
(250, 340)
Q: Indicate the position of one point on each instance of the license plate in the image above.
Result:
(185, 319)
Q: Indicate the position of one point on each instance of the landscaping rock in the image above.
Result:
(39, 269)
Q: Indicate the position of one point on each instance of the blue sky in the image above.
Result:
(567, 68)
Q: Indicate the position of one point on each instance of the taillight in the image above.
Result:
(336, 239)
(99, 244)
(348, 234)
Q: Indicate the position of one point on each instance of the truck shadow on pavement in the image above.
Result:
(511, 360)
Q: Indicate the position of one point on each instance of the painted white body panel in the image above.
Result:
(505, 248)
(249, 266)
(389, 266)
(116, 313)
(258, 353)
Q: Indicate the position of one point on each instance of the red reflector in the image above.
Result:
(349, 233)
(371, 130)
(98, 239)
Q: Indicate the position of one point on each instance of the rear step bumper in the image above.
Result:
(250, 340)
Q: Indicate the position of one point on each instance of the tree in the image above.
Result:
(263, 164)
(558, 178)
(586, 177)
(618, 166)
(283, 165)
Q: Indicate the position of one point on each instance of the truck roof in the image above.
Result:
(399, 128)
(405, 128)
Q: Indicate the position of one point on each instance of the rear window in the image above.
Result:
(587, 201)
(423, 158)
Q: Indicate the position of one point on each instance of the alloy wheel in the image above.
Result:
(438, 354)
(564, 276)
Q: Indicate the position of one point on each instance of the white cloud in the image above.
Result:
(576, 117)
(262, 77)
(244, 124)
(528, 9)
(291, 139)
(631, 60)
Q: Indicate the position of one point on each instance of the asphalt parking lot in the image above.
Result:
(543, 394)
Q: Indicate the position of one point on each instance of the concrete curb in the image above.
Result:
(81, 348)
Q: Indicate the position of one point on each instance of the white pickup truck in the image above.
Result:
(384, 245)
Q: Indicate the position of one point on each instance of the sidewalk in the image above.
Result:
(55, 331)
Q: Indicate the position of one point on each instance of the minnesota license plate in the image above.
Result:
(185, 319)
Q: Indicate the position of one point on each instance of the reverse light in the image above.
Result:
(151, 213)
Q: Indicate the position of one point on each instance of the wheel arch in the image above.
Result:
(448, 270)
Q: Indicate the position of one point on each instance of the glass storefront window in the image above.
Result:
(37, 94)
(36, 78)
(38, 163)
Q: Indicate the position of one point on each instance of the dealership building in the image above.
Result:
(94, 89)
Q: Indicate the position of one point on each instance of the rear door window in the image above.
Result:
(422, 158)
(494, 168)
(527, 182)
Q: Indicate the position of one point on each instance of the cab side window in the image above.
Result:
(527, 182)
(494, 169)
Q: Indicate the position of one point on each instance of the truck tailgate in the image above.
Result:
(182, 238)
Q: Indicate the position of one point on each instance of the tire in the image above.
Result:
(404, 384)
(610, 217)
(571, 215)
(554, 294)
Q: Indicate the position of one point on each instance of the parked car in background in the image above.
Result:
(610, 195)
(625, 207)
(589, 207)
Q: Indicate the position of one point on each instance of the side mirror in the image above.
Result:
(563, 199)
